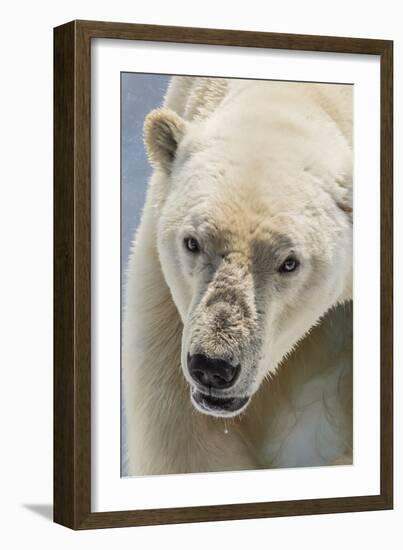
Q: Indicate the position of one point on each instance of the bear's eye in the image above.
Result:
(192, 245)
(290, 264)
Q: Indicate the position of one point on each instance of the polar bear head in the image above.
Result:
(254, 237)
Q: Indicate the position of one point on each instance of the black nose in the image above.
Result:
(214, 373)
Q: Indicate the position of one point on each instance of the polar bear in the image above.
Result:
(237, 330)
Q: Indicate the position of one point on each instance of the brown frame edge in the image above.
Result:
(72, 296)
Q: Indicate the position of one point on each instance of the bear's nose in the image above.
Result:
(212, 373)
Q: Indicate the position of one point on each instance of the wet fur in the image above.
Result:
(301, 414)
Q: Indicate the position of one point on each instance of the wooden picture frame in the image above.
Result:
(72, 271)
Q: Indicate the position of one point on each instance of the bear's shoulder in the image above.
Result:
(195, 97)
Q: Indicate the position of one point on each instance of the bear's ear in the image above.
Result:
(344, 199)
(163, 131)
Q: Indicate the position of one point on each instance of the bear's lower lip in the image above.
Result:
(218, 406)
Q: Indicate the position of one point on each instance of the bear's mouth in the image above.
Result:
(218, 406)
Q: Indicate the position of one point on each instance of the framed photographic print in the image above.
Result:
(221, 198)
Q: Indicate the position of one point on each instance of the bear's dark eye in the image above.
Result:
(192, 245)
(290, 264)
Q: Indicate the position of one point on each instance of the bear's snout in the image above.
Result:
(212, 373)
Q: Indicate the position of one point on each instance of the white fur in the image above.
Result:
(238, 163)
